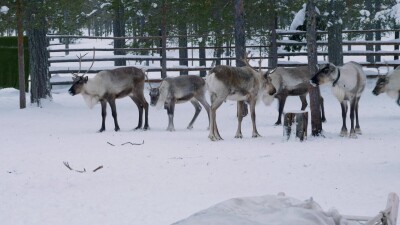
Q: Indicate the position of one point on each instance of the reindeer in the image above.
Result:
(175, 90)
(389, 84)
(348, 83)
(292, 82)
(238, 84)
(108, 85)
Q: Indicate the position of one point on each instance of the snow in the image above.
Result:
(175, 174)
(266, 210)
(4, 9)
(299, 18)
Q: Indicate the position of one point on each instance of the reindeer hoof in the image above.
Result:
(238, 136)
(256, 135)
(214, 138)
(101, 130)
(146, 128)
(278, 123)
(353, 135)
(190, 127)
(343, 133)
(323, 120)
(117, 129)
(170, 129)
(358, 131)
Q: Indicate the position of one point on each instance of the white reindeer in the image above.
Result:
(238, 84)
(389, 84)
(348, 83)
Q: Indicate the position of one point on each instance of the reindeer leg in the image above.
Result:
(206, 106)
(303, 100)
(114, 113)
(140, 109)
(170, 106)
(197, 107)
(215, 104)
(281, 105)
(344, 107)
(357, 129)
(253, 117)
(103, 115)
(145, 105)
(398, 99)
(240, 106)
(352, 109)
(321, 102)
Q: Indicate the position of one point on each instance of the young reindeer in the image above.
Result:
(238, 84)
(109, 85)
(348, 83)
(175, 90)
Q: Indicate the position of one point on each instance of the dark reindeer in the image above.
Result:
(292, 82)
(108, 85)
(389, 84)
(175, 90)
(348, 83)
(241, 84)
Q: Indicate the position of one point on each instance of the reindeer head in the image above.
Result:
(77, 85)
(380, 86)
(324, 75)
(154, 93)
(154, 96)
(78, 81)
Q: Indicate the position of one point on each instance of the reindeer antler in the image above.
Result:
(94, 53)
(80, 57)
(148, 81)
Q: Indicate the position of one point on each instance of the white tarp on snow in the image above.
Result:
(265, 210)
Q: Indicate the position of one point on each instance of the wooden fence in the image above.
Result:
(67, 61)
(375, 45)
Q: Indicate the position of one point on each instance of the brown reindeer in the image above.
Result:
(241, 84)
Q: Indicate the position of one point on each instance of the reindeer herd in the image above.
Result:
(241, 84)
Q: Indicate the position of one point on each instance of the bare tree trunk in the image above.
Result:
(378, 34)
(335, 39)
(183, 52)
(240, 41)
(202, 55)
(316, 124)
(119, 30)
(21, 64)
(38, 57)
(369, 36)
(273, 49)
(164, 40)
(218, 33)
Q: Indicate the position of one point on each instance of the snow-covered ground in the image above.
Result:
(175, 174)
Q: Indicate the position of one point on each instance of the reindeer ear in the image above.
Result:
(85, 79)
